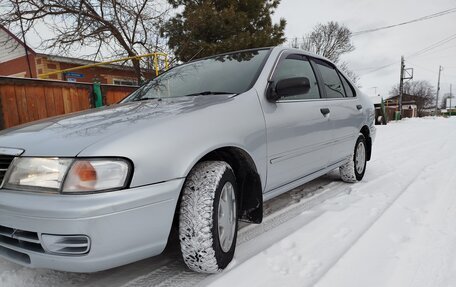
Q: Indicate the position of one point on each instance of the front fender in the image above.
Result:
(168, 149)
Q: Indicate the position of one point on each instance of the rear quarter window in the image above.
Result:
(349, 90)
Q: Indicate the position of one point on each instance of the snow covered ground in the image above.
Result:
(395, 228)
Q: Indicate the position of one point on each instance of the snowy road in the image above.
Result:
(395, 228)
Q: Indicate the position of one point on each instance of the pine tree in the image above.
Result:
(208, 27)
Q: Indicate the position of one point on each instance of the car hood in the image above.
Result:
(68, 135)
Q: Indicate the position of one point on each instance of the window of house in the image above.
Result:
(294, 66)
(124, 82)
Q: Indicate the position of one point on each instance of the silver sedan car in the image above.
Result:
(200, 147)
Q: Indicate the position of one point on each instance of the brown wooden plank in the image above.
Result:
(108, 97)
(22, 107)
(80, 99)
(75, 100)
(50, 104)
(58, 100)
(113, 97)
(3, 98)
(67, 105)
(10, 106)
(84, 98)
(40, 102)
(32, 107)
(119, 95)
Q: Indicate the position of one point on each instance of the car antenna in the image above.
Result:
(195, 54)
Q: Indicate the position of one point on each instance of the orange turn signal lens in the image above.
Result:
(85, 171)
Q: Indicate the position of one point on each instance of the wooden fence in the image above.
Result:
(26, 100)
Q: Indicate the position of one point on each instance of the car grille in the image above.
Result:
(5, 162)
(20, 239)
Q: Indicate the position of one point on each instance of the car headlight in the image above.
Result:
(68, 175)
(96, 175)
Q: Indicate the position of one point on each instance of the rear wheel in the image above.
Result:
(355, 167)
(208, 217)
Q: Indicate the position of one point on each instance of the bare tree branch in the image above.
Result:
(122, 27)
(330, 40)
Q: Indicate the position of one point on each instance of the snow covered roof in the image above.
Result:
(376, 99)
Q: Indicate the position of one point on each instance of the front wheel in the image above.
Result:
(208, 217)
(353, 170)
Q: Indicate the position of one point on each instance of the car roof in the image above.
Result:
(279, 48)
(300, 51)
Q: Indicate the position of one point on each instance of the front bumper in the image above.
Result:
(122, 226)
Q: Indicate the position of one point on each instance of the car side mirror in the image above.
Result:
(288, 87)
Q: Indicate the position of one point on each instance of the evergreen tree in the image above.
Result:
(208, 27)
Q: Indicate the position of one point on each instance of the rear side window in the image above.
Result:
(349, 91)
(331, 80)
(294, 66)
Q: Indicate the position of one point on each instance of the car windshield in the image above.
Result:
(224, 74)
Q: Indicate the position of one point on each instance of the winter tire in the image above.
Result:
(208, 217)
(355, 167)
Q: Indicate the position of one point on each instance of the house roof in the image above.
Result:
(62, 59)
(19, 41)
(376, 99)
(83, 62)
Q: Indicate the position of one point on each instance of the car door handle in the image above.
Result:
(359, 107)
(324, 111)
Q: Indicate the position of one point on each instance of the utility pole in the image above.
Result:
(451, 95)
(438, 89)
(401, 88)
(406, 74)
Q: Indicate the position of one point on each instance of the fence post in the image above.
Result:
(98, 95)
(2, 116)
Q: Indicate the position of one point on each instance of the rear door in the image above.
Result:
(345, 114)
(298, 131)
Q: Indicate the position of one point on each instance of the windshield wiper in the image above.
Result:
(145, 99)
(207, 93)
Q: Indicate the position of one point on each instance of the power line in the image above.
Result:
(441, 50)
(418, 53)
(421, 67)
(378, 69)
(438, 14)
(434, 46)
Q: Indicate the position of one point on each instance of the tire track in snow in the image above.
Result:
(371, 223)
(413, 237)
(395, 183)
(367, 227)
(176, 273)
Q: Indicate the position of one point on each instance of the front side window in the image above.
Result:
(294, 66)
(331, 80)
(232, 73)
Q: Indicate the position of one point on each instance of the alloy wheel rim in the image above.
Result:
(226, 217)
(360, 158)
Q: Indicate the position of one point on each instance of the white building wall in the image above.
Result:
(9, 48)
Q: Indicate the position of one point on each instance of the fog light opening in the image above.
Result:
(66, 244)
